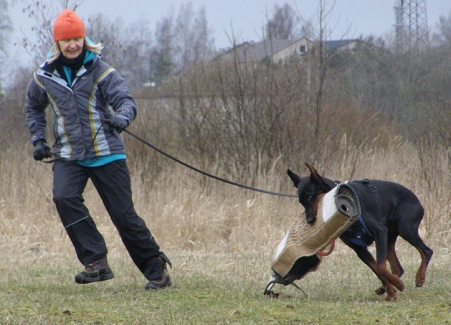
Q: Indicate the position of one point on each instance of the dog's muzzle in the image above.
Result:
(297, 253)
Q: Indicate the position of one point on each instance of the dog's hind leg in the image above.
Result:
(408, 230)
(425, 253)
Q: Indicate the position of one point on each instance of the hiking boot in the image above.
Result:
(165, 280)
(95, 272)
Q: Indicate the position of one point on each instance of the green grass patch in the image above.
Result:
(217, 289)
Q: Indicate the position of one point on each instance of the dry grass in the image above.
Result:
(186, 211)
(221, 239)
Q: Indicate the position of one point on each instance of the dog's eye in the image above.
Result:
(307, 197)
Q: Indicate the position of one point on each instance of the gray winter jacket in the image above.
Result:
(80, 110)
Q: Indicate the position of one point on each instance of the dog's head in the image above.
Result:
(309, 190)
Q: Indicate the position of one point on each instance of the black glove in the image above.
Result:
(41, 150)
(118, 124)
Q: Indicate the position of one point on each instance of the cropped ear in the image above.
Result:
(315, 177)
(294, 177)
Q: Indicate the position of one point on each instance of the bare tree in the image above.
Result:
(307, 30)
(180, 43)
(126, 47)
(5, 28)
(281, 25)
(138, 41)
(192, 37)
(42, 12)
(162, 53)
(443, 36)
(320, 67)
(183, 27)
(202, 43)
(5, 25)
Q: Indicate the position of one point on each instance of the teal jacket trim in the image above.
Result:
(101, 161)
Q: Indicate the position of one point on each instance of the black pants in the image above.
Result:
(112, 182)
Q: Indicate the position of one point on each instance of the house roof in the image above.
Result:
(335, 45)
(260, 50)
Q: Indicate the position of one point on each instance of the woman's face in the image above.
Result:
(71, 48)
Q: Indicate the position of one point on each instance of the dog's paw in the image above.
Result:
(391, 293)
(401, 286)
(392, 297)
(380, 291)
(420, 279)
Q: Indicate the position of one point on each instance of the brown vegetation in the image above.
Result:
(369, 113)
(247, 125)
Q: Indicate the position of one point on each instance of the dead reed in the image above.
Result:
(186, 211)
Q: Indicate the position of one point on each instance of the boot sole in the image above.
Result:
(156, 287)
(81, 279)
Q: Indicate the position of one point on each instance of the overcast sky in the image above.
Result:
(244, 17)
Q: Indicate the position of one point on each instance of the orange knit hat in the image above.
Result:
(68, 25)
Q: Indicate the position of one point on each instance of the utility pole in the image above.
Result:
(411, 25)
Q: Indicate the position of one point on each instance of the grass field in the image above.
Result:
(38, 288)
(221, 241)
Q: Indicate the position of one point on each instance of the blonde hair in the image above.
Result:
(89, 46)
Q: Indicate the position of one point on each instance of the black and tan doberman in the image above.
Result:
(388, 210)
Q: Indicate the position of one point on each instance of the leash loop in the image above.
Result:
(58, 158)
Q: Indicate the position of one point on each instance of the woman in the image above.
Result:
(81, 88)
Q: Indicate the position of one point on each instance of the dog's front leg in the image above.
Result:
(364, 254)
(380, 236)
(391, 292)
(395, 265)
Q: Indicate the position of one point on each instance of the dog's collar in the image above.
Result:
(358, 234)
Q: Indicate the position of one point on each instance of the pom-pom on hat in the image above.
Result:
(68, 25)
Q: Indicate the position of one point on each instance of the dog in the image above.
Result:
(388, 210)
